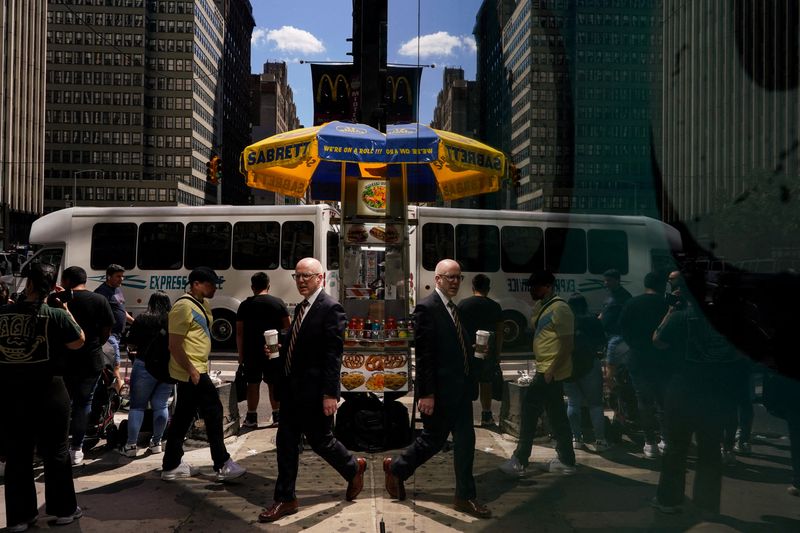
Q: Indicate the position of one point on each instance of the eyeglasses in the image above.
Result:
(305, 276)
(452, 278)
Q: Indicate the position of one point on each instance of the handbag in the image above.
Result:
(240, 384)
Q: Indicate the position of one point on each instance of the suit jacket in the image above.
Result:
(317, 355)
(439, 360)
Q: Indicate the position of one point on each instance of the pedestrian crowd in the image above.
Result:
(660, 361)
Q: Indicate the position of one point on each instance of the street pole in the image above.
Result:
(75, 183)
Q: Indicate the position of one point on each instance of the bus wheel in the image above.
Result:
(514, 327)
(223, 330)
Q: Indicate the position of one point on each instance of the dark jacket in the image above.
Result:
(317, 355)
(439, 360)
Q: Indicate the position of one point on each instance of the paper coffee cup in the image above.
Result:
(271, 340)
(482, 343)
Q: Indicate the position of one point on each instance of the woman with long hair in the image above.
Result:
(32, 360)
(148, 333)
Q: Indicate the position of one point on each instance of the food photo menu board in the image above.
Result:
(374, 372)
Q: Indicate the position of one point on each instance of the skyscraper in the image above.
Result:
(133, 102)
(22, 85)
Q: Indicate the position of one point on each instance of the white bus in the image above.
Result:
(508, 245)
(159, 246)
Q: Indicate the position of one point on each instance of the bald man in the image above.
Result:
(307, 385)
(446, 386)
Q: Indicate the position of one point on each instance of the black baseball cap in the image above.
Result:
(203, 274)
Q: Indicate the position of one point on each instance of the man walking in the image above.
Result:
(190, 346)
(308, 390)
(553, 339)
(111, 290)
(93, 314)
(256, 315)
(446, 386)
(480, 312)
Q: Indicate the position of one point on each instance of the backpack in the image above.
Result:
(589, 342)
(156, 357)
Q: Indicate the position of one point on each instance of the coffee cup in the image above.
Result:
(271, 340)
(482, 343)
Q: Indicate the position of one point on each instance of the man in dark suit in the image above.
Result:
(446, 386)
(308, 390)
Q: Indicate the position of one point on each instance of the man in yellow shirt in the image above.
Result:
(553, 339)
(189, 346)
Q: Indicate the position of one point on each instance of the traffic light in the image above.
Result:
(219, 169)
(213, 170)
(516, 175)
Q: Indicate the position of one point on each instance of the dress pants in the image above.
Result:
(548, 397)
(39, 419)
(447, 417)
(296, 421)
(192, 398)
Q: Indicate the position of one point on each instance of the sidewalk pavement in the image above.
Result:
(607, 493)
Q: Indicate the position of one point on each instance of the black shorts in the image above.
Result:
(258, 368)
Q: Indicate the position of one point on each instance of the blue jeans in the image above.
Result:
(589, 389)
(113, 340)
(145, 388)
(81, 393)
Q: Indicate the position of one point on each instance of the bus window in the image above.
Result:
(49, 256)
(113, 243)
(333, 250)
(477, 247)
(160, 246)
(565, 250)
(297, 242)
(437, 244)
(607, 249)
(522, 249)
(256, 245)
(208, 244)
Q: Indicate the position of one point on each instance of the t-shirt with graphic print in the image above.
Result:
(188, 320)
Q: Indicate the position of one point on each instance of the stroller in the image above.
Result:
(105, 403)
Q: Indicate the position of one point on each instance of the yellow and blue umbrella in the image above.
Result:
(429, 159)
(287, 163)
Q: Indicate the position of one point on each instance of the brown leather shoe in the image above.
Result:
(394, 486)
(472, 507)
(278, 510)
(357, 483)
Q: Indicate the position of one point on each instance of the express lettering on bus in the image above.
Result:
(165, 283)
(521, 285)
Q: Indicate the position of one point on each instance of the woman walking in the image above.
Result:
(149, 335)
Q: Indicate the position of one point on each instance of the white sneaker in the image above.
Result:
(650, 451)
(601, 446)
(578, 444)
(64, 520)
(155, 447)
(128, 450)
(230, 470)
(183, 470)
(19, 528)
(76, 457)
(662, 445)
(558, 467)
(512, 467)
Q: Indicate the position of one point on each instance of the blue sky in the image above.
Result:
(316, 30)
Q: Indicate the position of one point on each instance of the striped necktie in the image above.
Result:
(295, 328)
(454, 312)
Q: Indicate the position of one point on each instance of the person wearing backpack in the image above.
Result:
(586, 384)
(149, 335)
(553, 340)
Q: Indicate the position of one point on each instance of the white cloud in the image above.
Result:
(288, 39)
(439, 44)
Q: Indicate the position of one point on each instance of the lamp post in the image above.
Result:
(75, 182)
